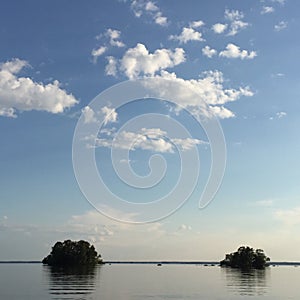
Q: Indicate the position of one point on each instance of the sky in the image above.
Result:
(67, 72)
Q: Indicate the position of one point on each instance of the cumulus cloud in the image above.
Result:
(209, 89)
(280, 26)
(139, 60)
(150, 139)
(233, 51)
(235, 18)
(150, 9)
(187, 34)
(98, 52)
(24, 94)
(267, 10)
(209, 52)
(114, 37)
(219, 28)
(109, 115)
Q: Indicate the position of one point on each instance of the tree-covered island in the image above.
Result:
(246, 258)
(72, 253)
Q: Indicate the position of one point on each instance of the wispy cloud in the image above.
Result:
(281, 114)
(150, 9)
(112, 66)
(98, 52)
(235, 18)
(289, 217)
(149, 139)
(280, 26)
(263, 203)
(281, 2)
(267, 10)
(109, 115)
(197, 24)
(114, 37)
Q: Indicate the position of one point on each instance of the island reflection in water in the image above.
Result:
(71, 283)
(247, 283)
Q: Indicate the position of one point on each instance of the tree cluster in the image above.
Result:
(72, 253)
(246, 258)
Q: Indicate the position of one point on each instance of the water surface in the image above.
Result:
(137, 281)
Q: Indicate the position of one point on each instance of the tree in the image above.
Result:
(246, 258)
(72, 253)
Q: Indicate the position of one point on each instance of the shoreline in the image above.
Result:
(204, 263)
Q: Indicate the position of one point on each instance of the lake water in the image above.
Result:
(138, 281)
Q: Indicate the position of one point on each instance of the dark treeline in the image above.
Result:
(72, 253)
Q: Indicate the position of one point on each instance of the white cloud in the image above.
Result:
(138, 60)
(24, 94)
(235, 17)
(264, 203)
(111, 67)
(267, 10)
(209, 88)
(187, 34)
(114, 36)
(209, 52)
(197, 24)
(150, 139)
(108, 114)
(98, 52)
(7, 112)
(222, 112)
(151, 6)
(281, 114)
(88, 115)
(290, 217)
(150, 9)
(160, 19)
(184, 227)
(281, 2)
(280, 26)
(233, 51)
(278, 75)
(219, 28)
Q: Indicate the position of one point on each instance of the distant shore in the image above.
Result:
(205, 263)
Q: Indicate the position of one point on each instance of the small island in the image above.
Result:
(73, 253)
(246, 258)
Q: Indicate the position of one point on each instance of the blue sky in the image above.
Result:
(241, 56)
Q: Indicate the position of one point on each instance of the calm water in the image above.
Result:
(113, 282)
